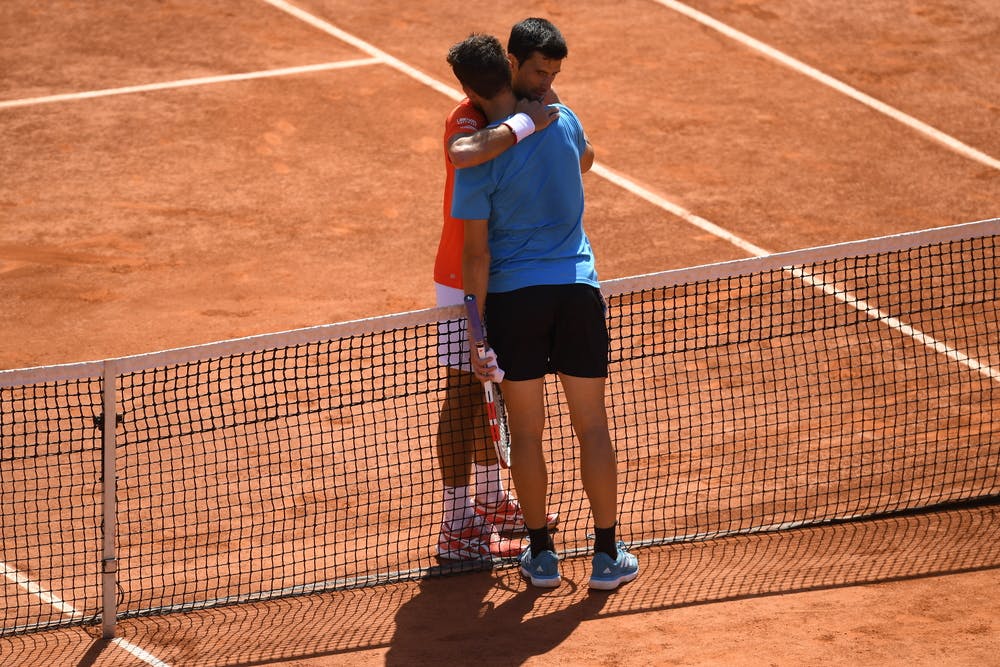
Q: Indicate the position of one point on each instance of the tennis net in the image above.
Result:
(819, 385)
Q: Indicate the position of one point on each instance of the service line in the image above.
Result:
(182, 83)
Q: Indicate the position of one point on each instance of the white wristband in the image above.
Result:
(521, 125)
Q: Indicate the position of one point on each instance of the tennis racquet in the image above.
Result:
(495, 408)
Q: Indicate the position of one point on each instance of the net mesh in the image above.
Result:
(792, 396)
(741, 400)
(50, 509)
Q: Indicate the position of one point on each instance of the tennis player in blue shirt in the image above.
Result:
(530, 265)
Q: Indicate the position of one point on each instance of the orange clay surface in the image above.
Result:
(163, 218)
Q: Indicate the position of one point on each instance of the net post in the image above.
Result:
(109, 568)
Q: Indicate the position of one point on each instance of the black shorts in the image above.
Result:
(549, 329)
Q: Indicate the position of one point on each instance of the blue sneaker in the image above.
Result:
(608, 574)
(542, 570)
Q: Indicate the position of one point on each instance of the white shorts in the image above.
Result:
(453, 341)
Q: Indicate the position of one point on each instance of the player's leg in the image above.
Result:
(494, 503)
(612, 564)
(519, 325)
(465, 534)
(519, 328)
(456, 429)
(462, 427)
(455, 542)
(526, 418)
(598, 465)
(580, 355)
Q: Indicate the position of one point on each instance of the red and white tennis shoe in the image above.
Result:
(477, 539)
(507, 516)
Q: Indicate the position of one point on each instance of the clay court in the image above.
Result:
(177, 173)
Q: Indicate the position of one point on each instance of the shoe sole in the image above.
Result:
(467, 554)
(612, 584)
(547, 582)
(471, 552)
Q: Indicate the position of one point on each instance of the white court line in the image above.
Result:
(678, 210)
(874, 313)
(49, 598)
(371, 50)
(681, 212)
(138, 652)
(201, 81)
(827, 80)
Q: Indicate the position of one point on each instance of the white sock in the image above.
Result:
(489, 485)
(458, 506)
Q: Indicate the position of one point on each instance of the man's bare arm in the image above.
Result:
(468, 150)
(476, 260)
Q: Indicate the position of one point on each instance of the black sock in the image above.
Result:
(540, 540)
(606, 541)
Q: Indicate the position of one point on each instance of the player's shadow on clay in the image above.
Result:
(488, 618)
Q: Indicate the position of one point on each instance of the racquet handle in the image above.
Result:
(475, 323)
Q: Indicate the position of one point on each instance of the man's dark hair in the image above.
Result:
(534, 34)
(480, 63)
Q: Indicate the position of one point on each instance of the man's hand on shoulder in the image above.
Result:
(541, 115)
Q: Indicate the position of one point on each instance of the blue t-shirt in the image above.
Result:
(532, 197)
